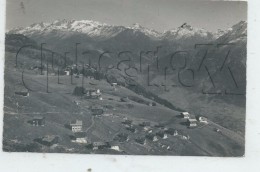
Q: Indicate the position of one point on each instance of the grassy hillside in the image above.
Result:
(59, 107)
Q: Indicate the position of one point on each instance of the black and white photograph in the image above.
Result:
(118, 77)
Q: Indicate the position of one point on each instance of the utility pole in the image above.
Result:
(41, 56)
(76, 55)
(71, 76)
(47, 90)
(58, 75)
(65, 55)
(83, 74)
(52, 54)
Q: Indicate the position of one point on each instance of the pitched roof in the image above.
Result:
(185, 113)
(99, 143)
(192, 120)
(76, 122)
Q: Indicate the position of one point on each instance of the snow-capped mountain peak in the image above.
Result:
(186, 31)
(219, 33)
(136, 26)
(186, 26)
(235, 34)
(148, 32)
(98, 30)
(91, 28)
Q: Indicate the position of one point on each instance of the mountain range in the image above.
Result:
(103, 31)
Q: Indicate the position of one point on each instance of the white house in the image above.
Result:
(192, 122)
(185, 115)
(155, 138)
(80, 140)
(175, 133)
(203, 119)
(76, 126)
(67, 72)
(79, 137)
(114, 84)
(24, 93)
(165, 136)
(93, 94)
(116, 148)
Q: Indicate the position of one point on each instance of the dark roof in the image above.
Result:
(124, 99)
(76, 122)
(160, 133)
(22, 93)
(99, 143)
(145, 123)
(150, 135)
(79, 91)
(140, 140)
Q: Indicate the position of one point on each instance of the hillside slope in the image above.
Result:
(59, 106)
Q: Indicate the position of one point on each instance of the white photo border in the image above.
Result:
(41, 162)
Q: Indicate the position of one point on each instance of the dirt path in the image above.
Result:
(92, 124)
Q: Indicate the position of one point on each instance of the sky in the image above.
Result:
(159, 15)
